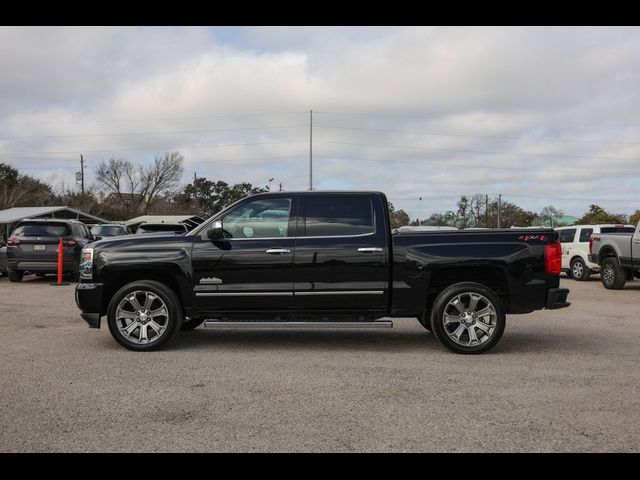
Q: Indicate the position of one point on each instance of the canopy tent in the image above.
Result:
(11, 216)
(191, 221)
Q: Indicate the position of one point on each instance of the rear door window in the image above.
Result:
(585, 233)
(338, 216)
(42, 230)
(567, 236)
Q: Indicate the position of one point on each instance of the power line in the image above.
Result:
(498, 120)
(446, 150)
(441, 134)
(187, 163)
(147, 119)
(491, 167)
(174, 147)
(175, 132)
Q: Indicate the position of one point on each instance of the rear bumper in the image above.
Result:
(42, 265)
(557, 298)
(89, 301)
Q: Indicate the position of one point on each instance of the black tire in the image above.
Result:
(579, 270)
(191, 324)
(464, 289)
(425, 321)
(172, 321)
(613, 276)
(15, 275)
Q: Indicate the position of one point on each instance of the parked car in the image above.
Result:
(618, 255)
(318, 259)
(108, 230)
(33, 247)
(149, 227)
(3, 258)
(575, 247)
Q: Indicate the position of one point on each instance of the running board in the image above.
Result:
(375, 324)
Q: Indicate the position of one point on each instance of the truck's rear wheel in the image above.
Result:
(613, 275)
(15, 275)
(468, 318)
(579, 270)
(144, 315)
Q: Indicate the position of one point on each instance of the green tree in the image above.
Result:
(19, 190)
(596, 214)
(635, 218)
(398, 218)
(207, 197)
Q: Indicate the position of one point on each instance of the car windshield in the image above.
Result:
(617, 229)
(160, 227)
(108, 230)
(42, 230)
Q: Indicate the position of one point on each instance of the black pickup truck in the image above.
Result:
(318, 259)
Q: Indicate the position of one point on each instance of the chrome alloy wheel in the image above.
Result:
(469, 319)
(142, 317)
(608, 274)
(578, 268)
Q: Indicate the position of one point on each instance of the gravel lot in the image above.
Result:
(564, 380)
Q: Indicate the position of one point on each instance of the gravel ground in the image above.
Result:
(564, 380)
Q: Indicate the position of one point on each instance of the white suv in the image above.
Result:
(575, 247)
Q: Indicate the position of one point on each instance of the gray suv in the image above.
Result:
(33, 247)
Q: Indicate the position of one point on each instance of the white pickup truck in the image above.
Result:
(618, 255)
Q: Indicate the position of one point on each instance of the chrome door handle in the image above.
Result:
(637, 240)
(369, 249)
(277, 251)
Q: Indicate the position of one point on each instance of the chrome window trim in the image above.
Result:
(244, 294)
(305, 293)
(300, 238)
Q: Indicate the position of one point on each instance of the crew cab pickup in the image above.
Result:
(618, 255)
(314, 260)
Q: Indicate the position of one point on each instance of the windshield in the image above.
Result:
(42, 230)
(160, 227)
(617, 229)
(108, 231)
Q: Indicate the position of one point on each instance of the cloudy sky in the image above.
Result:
(541, 115)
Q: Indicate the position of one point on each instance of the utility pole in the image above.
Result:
(269, 180)
(310, 149)
(420, 212)
(499, 200)
(486, 211)
(280, 187)
(82, 175)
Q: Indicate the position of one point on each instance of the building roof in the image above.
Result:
(16, 214)
(191, 221)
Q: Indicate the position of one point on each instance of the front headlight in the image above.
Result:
(86, 263)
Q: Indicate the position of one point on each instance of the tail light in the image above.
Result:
(12, 242)
(553, 258)
(69, 242)
(590, 244)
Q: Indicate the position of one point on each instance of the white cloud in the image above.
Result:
(449, 94)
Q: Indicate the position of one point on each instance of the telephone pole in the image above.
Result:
(486, 211)
(82, 175)
(499, 200)
(280, 187)
(310, 149)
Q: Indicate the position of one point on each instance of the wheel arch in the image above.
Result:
(114, 280)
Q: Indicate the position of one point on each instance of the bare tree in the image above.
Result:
(137, 188)
(162, 176)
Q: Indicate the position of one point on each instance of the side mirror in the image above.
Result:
(216, 232)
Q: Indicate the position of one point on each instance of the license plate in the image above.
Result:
(39, 247)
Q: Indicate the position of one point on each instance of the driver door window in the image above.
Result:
(269, 218)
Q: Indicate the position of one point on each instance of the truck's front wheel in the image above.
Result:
(613, 275)
(468, 317)
(144, 315)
